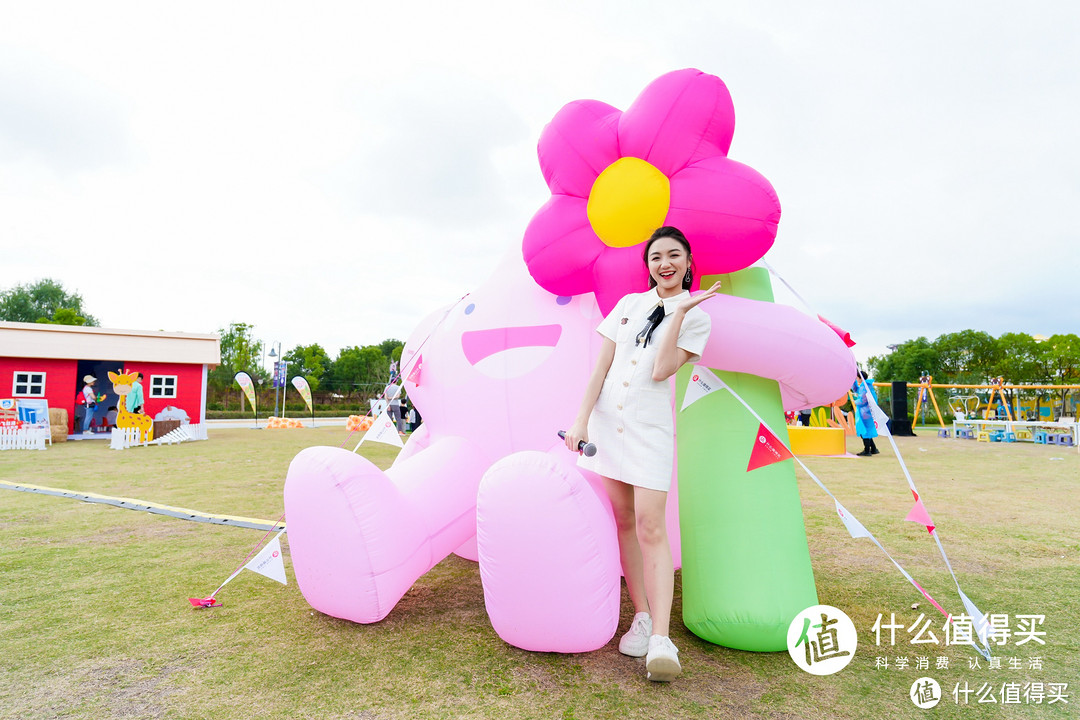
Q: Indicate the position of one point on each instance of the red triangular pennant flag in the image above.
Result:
(767, 449)
(919, 515)
(414, 374)
(204, 602)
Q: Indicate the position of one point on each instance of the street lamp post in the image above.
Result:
(273, 356)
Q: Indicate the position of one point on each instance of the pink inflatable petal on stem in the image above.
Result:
(842, 333)
(728, 211)
(619, 271)
(681, 117)
(560, 246)
(577, 145)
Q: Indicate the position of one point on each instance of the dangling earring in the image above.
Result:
(688, 276)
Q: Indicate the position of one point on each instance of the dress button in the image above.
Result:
(619, 406)
(633, 362)
(619, 429)
(625, 384)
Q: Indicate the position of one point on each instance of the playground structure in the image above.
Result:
(989, 427)
(961, 405)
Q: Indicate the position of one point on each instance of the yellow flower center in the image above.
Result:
(628, 201)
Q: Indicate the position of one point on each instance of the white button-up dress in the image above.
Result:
(632, 424)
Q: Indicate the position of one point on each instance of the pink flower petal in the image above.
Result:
(579, 142)
(619, 271)
(727, 210)
(560, 246)
(680, 118)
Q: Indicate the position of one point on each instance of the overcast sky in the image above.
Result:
(332, 173)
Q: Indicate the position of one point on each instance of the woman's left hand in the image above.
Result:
(701, 297)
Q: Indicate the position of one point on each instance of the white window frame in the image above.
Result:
(158, 390)
(29, 382)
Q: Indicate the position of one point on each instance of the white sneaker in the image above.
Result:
(662, 662)
(635, 642)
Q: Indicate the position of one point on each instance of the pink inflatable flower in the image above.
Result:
(617, 176)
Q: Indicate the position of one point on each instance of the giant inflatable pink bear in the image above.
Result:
(495, 376)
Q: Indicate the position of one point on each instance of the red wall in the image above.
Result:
(188, 387)
(60, 382)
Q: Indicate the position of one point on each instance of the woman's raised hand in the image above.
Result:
(695, 300)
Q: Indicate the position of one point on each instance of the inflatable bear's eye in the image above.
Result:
(563, 300)
(469, 308)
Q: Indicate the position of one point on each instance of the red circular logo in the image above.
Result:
(695, 378)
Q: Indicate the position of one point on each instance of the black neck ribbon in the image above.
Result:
(655, 318)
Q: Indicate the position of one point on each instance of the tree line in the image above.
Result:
(973, 357)
(44, 301)
(356, 374)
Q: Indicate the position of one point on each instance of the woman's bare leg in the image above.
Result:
(657, 567)
(622, 504)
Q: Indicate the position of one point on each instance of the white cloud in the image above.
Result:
(333, 173)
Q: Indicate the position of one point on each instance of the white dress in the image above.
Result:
(632, 423)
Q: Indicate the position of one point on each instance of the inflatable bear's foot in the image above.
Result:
(549, 558)
(356, 545)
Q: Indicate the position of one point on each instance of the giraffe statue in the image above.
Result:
(122, 386)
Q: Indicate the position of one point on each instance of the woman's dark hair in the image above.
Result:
(675, 234)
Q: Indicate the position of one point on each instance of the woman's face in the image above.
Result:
(668, 262)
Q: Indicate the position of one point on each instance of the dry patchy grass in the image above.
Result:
(95, 622)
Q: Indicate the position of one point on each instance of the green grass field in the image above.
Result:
(95, 623)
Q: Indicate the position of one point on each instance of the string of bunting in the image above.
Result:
(919, 513)
(769, 449)
(268, 562)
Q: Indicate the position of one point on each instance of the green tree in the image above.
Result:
(1016, 360)
(45, 301)
(310, 361)
(389, 346)
(361, 370)
(967, 357)
(907, 362)
(239, 352)
(1060, 356)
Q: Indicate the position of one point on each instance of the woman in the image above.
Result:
(627, 413)
(89, 401)
(864, 419)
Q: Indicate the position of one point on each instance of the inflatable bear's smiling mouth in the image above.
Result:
(481, 344)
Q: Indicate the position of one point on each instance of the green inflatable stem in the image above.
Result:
(745, 562)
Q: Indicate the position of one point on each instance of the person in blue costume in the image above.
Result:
(864, 419)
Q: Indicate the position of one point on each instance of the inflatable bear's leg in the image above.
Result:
(549, 558)
(359, 538)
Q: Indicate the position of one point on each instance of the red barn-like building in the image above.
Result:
(49, 362)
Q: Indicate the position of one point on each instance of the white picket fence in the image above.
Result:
(30, 438)
(123, 438)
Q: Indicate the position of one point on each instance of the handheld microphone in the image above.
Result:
(586, 449)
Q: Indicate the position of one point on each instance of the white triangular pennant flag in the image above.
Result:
(702, 382)
(977, 619)
(269, 561)
(881, 420)
(382, 430)
(851, 522)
